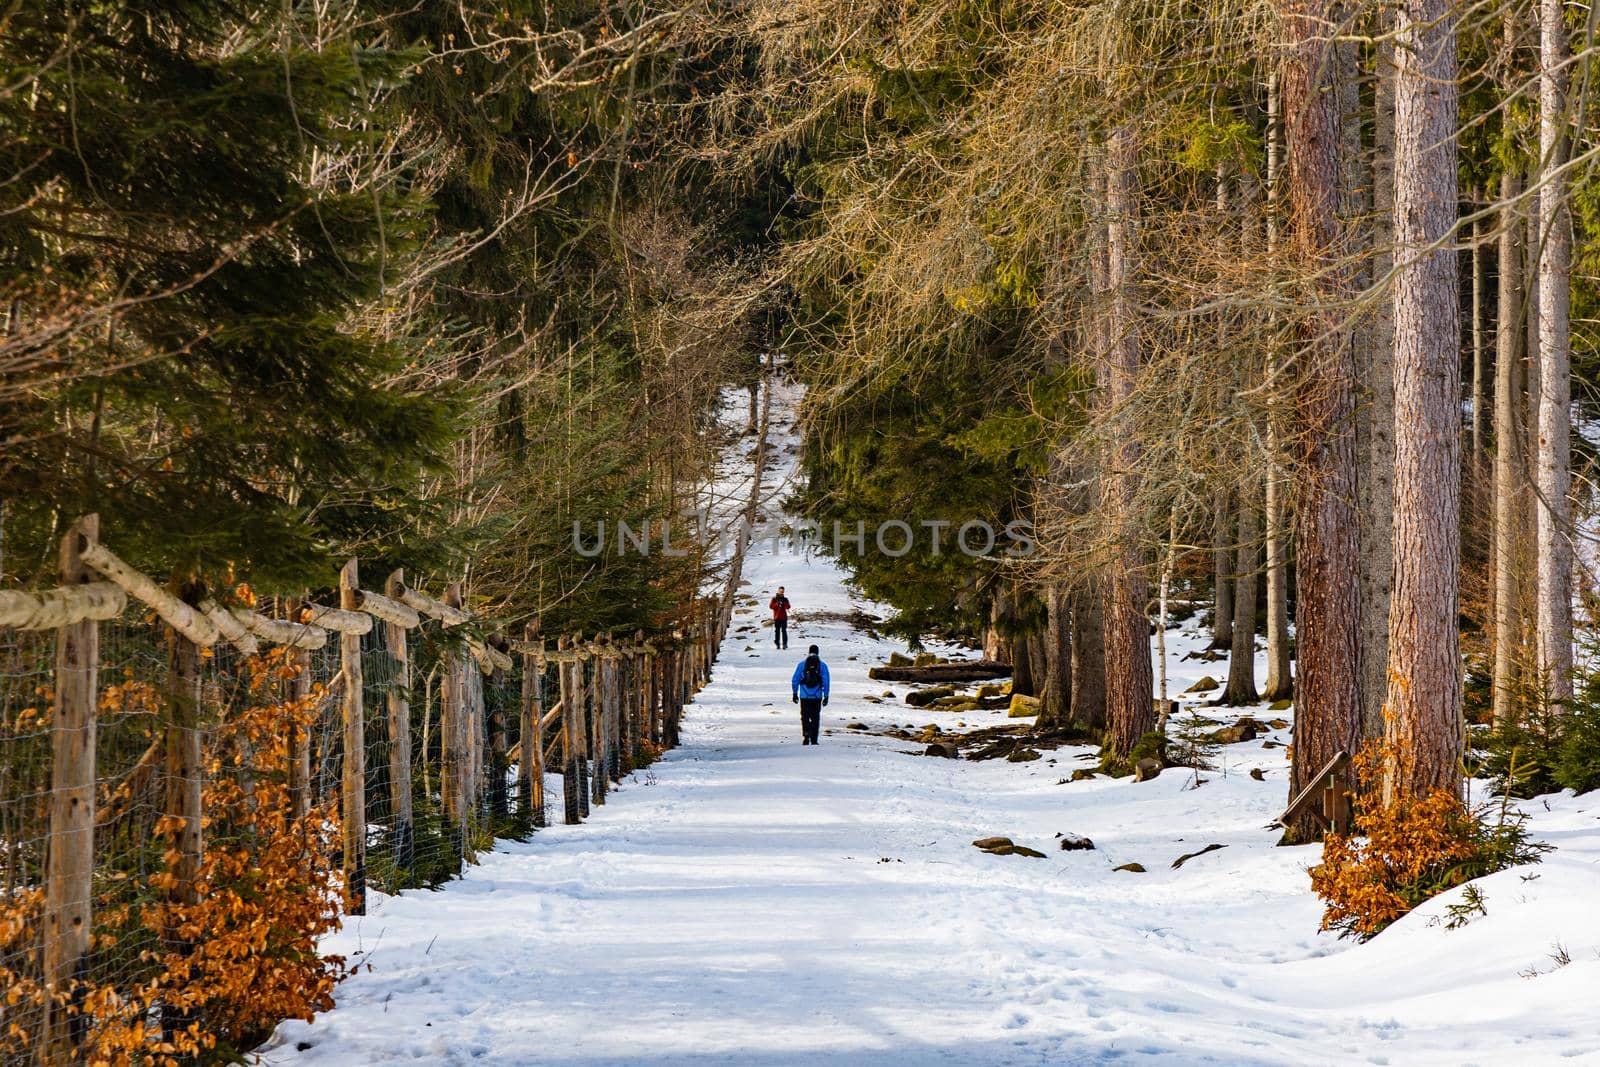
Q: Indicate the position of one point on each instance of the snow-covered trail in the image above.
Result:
(748, 901)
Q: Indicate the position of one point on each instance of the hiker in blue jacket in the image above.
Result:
(809, 689)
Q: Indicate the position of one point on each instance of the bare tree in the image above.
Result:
(1508, 437)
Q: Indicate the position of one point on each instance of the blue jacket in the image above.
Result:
(802, 691)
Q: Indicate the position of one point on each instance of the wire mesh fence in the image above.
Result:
(239, 800)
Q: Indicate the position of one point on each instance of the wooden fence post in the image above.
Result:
(401, 814)
(598, 773)
(452, 741)
(69, 903)
(299, 737)
(183, 802)
(353, 781)
(530, 768)
(571, 725)
(499, 801)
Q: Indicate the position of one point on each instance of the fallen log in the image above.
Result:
(976, 670)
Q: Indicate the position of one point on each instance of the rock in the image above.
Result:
(1257, 774)
(855, 726)
(1146, 769)
(1233, 735)
(993, 690)
(987, 843)
(919, 697)
(1135, 868)
(1270, 744)
(1281, 705)
(1024, 850)
(1022, 706)
(942, 749)
(1187, 856)
(1075, 843)
(1083, 774)
(956, 704)
(925, 659)
(1204, 685)
(1278, 724)
(872, 700)
(1023, 755)
(889, 693)
(898, 660)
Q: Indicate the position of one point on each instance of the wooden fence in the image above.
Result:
(434, 732)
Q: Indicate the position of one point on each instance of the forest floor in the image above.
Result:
(748, 901)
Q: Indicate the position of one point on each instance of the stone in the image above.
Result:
(1134, 868)
(1258, 774)
(1278, 724)
(1233, 735)
(1075, 843)
(1205, 685)
(872, 700)
(942, 749)
(925, 659)
(919, 697)
(987, 843)
(1146, 769)
(855, 726)
(1023, 755)
(1024, 850)
(1281, 705)
(993, 689)
(896, 659)
(1022, 706)
(1083, 774)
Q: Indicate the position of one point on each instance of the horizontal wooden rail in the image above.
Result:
(438, 609)
(390, 611)
(280, 632)
(339, 620)
(190, 622)
(55, 608)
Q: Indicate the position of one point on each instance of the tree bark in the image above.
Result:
(1508, 437)
(1088, 659)
(1328, 716)
(1130, 706)
(1425, 727)
(1055, 707)
(1242, 658)
(1222, 569)
(1280, 676)
(1554, 514)
(1376, 415)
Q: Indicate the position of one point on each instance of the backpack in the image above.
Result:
(811, 673)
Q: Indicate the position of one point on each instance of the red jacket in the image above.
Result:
(780, 607)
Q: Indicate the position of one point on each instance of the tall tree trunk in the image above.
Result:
(1222, 569)
(1055, 706)
(1242, 661)
(1088, 658)
(1130, 707)
(996, 639)
(1508, 438)
(1328, 716)
(1424, 701)
(1479, 352)
(1377, 412)
(1026, 675)
(1280, 677)
(1554, 514)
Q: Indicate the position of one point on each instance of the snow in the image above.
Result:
(748, 901)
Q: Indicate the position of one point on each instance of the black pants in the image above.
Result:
(780, 633)
(810, 719)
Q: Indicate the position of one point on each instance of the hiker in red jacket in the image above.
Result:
(780, 619)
